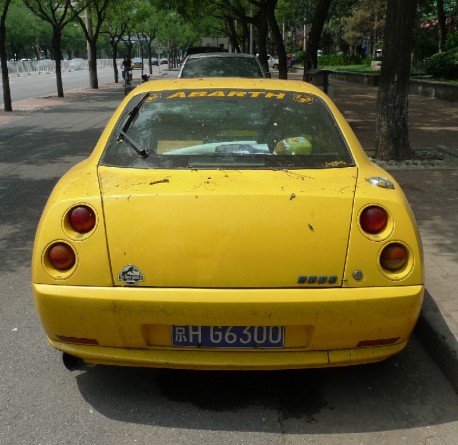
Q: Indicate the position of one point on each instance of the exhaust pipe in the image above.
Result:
(73, 363)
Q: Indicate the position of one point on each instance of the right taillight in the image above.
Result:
(82, 218)
(373, 219)
(394, 257)
(61, 256)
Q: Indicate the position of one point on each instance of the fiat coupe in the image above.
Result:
(226, 223)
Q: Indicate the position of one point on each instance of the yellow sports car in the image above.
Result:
(227, 224)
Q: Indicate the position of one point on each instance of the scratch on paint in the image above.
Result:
(160, 181)
(311, 228)
(297, 175)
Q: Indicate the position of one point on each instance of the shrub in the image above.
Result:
(331, 60)
(443, 65)
(452, 41)
(352, 59)
(300, 57)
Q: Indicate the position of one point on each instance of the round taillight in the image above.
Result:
(394, 257)
(61, 256)
(373, 219)
(82, 219)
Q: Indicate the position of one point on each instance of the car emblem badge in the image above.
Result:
(131, 275)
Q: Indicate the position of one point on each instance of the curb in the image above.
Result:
(436, 338)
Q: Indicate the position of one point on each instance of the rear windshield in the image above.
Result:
(222, 67)
(227, 129)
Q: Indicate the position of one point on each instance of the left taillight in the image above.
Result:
(61, 256)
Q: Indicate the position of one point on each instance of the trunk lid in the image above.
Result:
(227, 228)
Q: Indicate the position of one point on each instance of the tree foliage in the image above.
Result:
(24, 31)
(91, 24)
(58, 14)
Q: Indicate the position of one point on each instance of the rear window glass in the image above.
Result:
(227, 129)
(222, 67)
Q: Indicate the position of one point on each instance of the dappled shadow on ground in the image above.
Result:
(34, 153)
(433, 196)
(387, 396)
(21, 205)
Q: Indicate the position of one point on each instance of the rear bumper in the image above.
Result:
(324, 327)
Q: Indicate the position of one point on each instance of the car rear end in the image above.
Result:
(231, 241)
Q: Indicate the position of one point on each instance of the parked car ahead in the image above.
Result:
(137, 62)
(204, 49)
(221, 65)
(272, 62)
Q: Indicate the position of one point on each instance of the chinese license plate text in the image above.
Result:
(229, 336)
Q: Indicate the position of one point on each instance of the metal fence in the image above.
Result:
(46, 66)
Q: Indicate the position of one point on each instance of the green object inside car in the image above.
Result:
(294, 146)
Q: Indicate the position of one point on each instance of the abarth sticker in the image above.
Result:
(229, 93)
(131, 275)
(304, 98)
(152, 97)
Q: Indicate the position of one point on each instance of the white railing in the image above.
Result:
(47, 66)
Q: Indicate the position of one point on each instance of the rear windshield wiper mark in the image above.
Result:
(142, 152)
(122, 132)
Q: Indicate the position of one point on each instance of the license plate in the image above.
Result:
(229, 336)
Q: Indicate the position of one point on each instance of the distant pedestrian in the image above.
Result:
(126, 66)
(289, 58)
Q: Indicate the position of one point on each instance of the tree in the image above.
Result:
(175, 33)
(391, 134)
(73, 42)
(357, 28)
(268, 9)
(58, 14)
(22, 31)
(7, 103)
(313, 38)
(336, 24)
(441, 25)
(146, 26)
(116, 23)
(95, 14)
(256, 12)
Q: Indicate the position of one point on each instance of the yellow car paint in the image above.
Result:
(228, 248)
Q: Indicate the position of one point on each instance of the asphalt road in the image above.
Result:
(43, 85)
(404, 400)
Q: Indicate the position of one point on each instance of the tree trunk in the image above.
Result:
(391, 134)
(441, 25)
(56, 47)
(313, 39)
(7, 103)
(260, 22)
(269, 11)
(91, 44)
(114, 48)
(233, 38)
(93, 78)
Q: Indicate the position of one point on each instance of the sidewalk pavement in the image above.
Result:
(430, 187)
